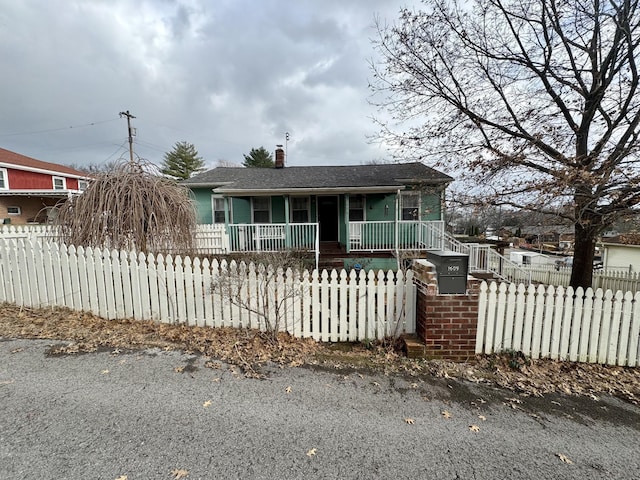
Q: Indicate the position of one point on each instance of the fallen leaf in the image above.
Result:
(474, 428)
(482, 417)
(105, 371)
(179, 473)
(311, 452)
(446, 414)
(288, 389)
(564, 458)
(410, 421)
(207, 404)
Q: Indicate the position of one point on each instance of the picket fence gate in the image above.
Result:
(335, 306)
(565, 324)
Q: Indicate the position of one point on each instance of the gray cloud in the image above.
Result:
(226, 75)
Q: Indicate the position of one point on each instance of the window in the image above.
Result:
(261, 209)
(218, 209)
(410, 205)
(300, 209)
(59, 183)
(4, 180)
(82, 185)
(356, 208)
(14, 210)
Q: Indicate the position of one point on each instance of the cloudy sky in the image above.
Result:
(225, 75)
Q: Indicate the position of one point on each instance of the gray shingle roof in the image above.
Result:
(363, 176)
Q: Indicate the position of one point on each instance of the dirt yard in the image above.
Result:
(75, 332)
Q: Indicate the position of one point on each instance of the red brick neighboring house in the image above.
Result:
(30, 188)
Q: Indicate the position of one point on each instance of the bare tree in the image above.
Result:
(130, 207)
(534, 101)
(264, 289)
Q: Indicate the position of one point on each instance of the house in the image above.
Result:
(366, 212)
(621, 253)
(30, 188)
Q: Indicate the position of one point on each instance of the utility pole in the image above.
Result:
(129, 117)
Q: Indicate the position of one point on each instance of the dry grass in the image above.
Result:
(250, 350)
(130, 208)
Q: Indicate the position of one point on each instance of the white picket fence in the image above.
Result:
(550, 275)
(554, 322)
(325, 306)
(209, 239)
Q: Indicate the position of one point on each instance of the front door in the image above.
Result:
(328, 218)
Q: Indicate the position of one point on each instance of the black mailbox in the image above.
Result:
(451, 269)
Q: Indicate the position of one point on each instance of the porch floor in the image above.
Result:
(333, 255)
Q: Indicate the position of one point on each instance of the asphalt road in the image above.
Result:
(159, 415)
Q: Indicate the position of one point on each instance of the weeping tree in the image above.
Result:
(532, 103)
(129, 207)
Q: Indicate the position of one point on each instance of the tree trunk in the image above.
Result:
(583, 251)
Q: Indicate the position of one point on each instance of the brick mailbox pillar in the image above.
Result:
(447, 323)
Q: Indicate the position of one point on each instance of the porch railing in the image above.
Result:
(431, 235)
(273, 237)
(389, 235)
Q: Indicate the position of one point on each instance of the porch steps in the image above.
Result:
(413, 346)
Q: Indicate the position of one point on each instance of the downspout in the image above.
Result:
(396, 225)
(443, 212)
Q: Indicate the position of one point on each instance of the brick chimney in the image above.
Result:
(279, 157)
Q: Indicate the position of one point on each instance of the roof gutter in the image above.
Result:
(306, 191)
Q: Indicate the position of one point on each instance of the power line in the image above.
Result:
(121, 146)
(34, 132)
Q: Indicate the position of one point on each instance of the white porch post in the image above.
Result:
(287, 231)
(346, 221)
(227, 220)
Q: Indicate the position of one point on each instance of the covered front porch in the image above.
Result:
(362, 237)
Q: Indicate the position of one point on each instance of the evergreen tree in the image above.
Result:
(258, 158)
(182, 162)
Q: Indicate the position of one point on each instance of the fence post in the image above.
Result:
(448, 324)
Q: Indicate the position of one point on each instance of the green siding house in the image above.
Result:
(359, 209)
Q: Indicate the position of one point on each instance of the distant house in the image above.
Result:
(528, 258)
(30, 188)
(356, 209)
(560, 236)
